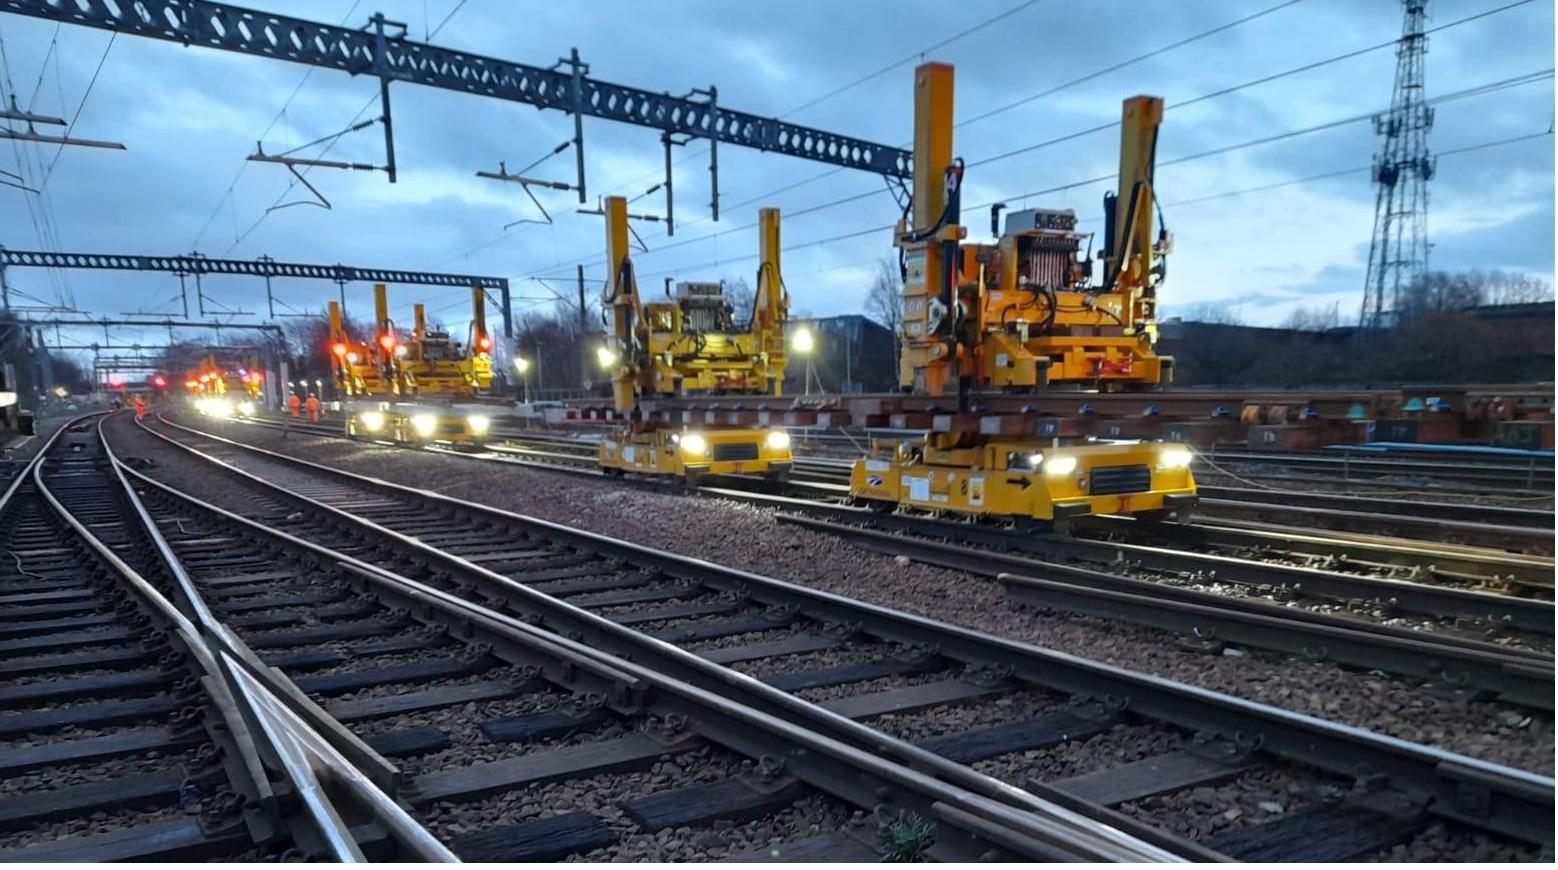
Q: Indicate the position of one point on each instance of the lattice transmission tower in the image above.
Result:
(1398, 251)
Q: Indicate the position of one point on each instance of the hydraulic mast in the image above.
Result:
(928, 238)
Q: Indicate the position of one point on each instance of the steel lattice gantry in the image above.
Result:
(373, 52)
(264, 267)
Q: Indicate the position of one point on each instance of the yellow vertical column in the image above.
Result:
(927, 296)
(1135, 228)
(620, 299)
(772, 308)
(481, 341)
(419, 315)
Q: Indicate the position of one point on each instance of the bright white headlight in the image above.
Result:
(1060, 466)
(1035, 460)
(1174, 458)
(246, 409)
(373, 421)
(478, 424)
(778, 440)
(425, 424)
(694, 443)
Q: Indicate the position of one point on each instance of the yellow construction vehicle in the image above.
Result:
(1018, 314)
(226, 391)
(409, 392)
(692, 344)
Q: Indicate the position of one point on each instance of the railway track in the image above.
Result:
(1359, 465)
(1354, 616)
(1484, 527)
(1472, 591)
(1479, 527)
(128, 734)
(1527, 475)
(1010, 701)
(1216, 539)
(510, 743)
(1458, 542)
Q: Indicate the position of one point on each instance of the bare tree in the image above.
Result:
(884, 301)
(1307, 319)
(561, 356)
(1210, 312)
(742, 298)
(1520, 288)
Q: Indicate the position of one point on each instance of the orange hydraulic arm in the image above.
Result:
(419, 332)
(772, 306)
(928, 237)
(1133, 243)
(481, 339)
(620, 355)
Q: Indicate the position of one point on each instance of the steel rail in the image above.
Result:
(1481, 608)
(235, 716)
(1453, 561)
(1354, 525)
(1510, 802)
(1456, 511)
(1322, 511)
(1058, 834)
(1474, 567)
(1492, 608)
(294, 723)
(602, 634)
(1457, 562)
(1519, 677)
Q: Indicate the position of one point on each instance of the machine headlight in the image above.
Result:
(373, 421)
(221, 408)
(694, 444)
(1060, 466)
(778, 440)
(478, 424)
(246, 409)
(1035, 460)
(1175, 458)
(425, 424)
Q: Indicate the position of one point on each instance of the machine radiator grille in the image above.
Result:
(735, 452)
(451, 427)
(1119, 479)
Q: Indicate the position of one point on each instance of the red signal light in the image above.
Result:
(484, 343)
(339, 348)
(387, 342)
(159, 382)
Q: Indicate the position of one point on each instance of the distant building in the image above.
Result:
(850, 353)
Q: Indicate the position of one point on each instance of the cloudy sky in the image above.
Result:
(190, 116)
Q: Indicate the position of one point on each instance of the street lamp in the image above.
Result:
(803, 343)
(522, 366)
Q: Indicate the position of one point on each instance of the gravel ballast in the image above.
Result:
(749, 538)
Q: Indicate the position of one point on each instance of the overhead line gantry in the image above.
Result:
(381, 49)
(262, 267)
